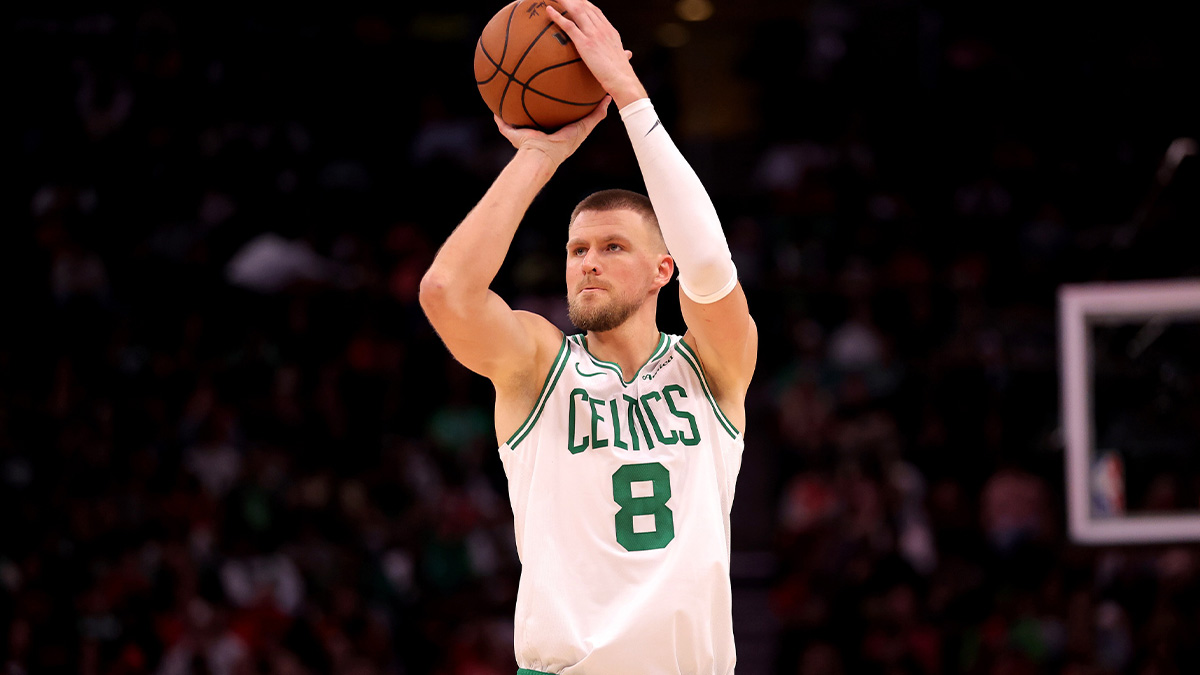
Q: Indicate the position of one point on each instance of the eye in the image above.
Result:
(578, 250)
(614, 247)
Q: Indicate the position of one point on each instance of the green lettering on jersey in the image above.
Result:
(616, 418)
(665, 440)
(682, 414)
(597, 442)
(583, 445)
(635, 413)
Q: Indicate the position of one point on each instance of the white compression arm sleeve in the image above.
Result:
(686, 215)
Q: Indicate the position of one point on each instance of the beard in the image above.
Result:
(600, 317)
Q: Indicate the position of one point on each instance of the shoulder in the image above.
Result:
(730, 374)
(539, 326)
(518, 393)
(728, 382)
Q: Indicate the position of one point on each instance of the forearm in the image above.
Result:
(469, 260)
(686, 215)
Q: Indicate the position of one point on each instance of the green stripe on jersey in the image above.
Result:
(664, 345)
(560, 363)
(694, 362)
(661, 348)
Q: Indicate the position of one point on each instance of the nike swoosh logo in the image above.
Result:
(657, 124)
(585, 374)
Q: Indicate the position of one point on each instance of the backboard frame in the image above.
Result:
(1080, 307)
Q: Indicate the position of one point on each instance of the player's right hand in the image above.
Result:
(599, 45)
(559, 145)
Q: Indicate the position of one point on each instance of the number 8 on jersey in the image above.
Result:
(651, 505)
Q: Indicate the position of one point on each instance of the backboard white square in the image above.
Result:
(1082, 307)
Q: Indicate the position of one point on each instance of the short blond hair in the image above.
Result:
(617, 199)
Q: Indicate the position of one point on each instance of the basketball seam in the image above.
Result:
(517, 67)
(528, 83)
(528, 86)
(503, 50)
(512, 76)
(483, 50)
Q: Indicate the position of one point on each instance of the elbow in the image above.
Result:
(433, 291)
(444, 295)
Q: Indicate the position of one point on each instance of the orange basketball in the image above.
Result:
(528, 71)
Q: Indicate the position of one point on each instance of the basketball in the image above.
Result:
(528, 71)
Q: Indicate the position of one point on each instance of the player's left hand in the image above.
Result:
(559, 145)
(600, 47)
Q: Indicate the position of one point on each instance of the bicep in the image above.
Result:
(489, 337)
(725, 338)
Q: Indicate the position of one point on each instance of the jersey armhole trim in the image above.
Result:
(556, 369)
(527, 671)
(694, 361)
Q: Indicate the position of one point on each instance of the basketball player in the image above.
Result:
(623, 443)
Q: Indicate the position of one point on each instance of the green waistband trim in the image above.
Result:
(526, 671)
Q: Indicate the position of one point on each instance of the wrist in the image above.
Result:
(537, 156)
(536, 165)
(627, 92)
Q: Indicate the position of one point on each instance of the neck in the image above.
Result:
(629, 345)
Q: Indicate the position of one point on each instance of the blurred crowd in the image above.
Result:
(230, 443)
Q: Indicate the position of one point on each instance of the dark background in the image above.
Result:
(231, 443)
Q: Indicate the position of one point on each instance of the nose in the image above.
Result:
(590, 262)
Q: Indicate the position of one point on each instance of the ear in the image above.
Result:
(664, 271)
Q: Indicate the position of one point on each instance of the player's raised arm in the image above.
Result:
(712, 301)
(478, 327)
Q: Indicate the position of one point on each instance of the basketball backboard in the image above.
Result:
(1130, 409)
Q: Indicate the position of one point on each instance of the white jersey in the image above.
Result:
(621, 493)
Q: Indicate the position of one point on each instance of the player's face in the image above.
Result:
(612, 264)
